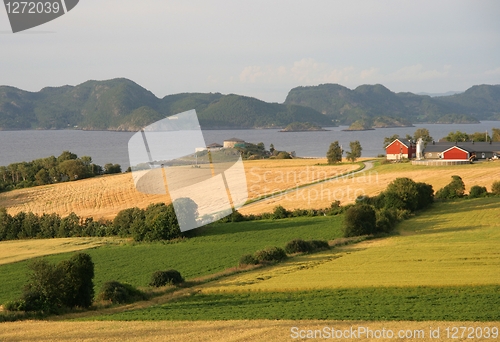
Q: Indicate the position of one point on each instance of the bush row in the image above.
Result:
(277, 254)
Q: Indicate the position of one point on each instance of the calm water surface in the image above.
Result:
(111, 147)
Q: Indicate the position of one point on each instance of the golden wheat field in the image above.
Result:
(372, 182)
(104, 197)
(18, 250)
(258, 330)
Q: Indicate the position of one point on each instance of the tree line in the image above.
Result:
(66, 167)
(456, 136)
(157, 222)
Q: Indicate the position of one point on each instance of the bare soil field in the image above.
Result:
(258, 330)
(104, 197)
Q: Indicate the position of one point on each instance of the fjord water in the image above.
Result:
(111, 147)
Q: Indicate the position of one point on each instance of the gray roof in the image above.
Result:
(469, 146)
(235, 140)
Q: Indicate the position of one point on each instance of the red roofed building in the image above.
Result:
(456, 153)
(399, 149)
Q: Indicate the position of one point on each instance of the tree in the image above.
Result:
(495, 188)
(74, 169)
(271, 148)
(455, 189)
(402, 193)
(495, 134)
(355, 152)
(388, 140)
(186, 211)
(78, 280)
(42, 177)
(359, 220)
(479, 136)
(112, 168)
(424, 134)
(334, 154)
(457, 136)
(66, 155)
(5, 222)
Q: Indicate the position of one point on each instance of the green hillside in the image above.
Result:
(123, 105)
(120, 104)
(373, 101)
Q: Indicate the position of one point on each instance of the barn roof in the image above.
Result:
(456, 146)
(407, 144)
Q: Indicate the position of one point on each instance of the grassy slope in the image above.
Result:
(220, 248)
(444, 266)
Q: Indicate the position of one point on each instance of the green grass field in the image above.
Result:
(370, 304)
(443, 266)
(219, 248)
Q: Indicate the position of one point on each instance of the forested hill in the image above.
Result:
(367, 102)
(121, 104)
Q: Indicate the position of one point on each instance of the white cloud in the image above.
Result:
(308, 71)
(493, 72)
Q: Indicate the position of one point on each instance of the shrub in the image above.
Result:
(477, 191)
(283, 155)
(280, 213)
(386, 220)
(162, 278)
(270, 254)
(455, 189)
(298, 246)
(248, 259)
(359, 220)
(318, 244)
(425, 195)
(495, 188)
(402, 193)
(118, 293)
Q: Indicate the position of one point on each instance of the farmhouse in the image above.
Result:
(399, 149)
(234, 142)
(462, 150)
(443, 151)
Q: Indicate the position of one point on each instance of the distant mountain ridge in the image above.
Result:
(123, 105)
(368, 102)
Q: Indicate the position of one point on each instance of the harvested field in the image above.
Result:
(104, 197)
(258, 330)
(372, 182)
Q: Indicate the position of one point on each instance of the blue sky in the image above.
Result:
(259, 48)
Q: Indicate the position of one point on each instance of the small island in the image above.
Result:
(360, 125)
(302, 127)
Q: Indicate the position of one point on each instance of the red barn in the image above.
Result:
(456, 153)
(399, 149)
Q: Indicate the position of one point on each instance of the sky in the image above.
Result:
(259, 48)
